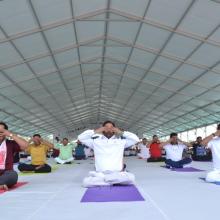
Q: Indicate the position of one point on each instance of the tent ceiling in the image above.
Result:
(71, 64)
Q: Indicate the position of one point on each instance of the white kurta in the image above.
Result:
(144, 151)
(174, 152)
(214, 145)
(108, 152)
(88, 152)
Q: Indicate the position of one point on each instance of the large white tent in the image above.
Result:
(150, 66)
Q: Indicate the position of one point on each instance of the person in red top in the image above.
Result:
(8, 177)
(155, 151)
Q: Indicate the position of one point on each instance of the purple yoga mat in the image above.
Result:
(186, 169)
(112, 194)
(216, 183)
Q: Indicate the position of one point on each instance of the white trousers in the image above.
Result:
(213, 176)
(58, 160)
(108, 178)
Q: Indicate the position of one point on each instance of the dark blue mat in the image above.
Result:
(202, 178)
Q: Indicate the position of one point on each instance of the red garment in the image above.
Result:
(12, 147)
(155, 150)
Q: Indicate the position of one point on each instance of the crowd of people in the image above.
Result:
(108, 144)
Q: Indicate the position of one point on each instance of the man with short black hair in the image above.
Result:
(174, 148)
(80, 151)
(200, 152)
(155, 150)
(66, 152)
(8, 177)
(213, 142)
(144, 149)
(108, 143)
(38, 151)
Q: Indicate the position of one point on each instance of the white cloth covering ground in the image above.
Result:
(214, 145)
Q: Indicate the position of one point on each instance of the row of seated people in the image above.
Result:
(109, 143)
(153, 150)
(79, 151)
(38, 147)
(12, 145)
(63, 152)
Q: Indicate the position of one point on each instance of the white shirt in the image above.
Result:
(174, 152)
(214, 144)
(108, 152)
(144, 151)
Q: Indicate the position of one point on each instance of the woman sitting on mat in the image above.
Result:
(213, 142)
(174, 152)
(8, 177)
(108, 143)
(38, 151)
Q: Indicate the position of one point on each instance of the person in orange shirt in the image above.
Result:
(155, 150)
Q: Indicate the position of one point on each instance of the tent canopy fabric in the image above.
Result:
(148, 65)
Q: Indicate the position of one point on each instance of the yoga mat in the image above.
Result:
(202, 178)
(112, 194)
(185, 169)
(17, 185)
(54, 168)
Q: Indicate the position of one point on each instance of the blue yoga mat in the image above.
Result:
(112, 194)
(216, 183)
(185, 169)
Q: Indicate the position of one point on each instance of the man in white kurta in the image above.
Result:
(174, 148)
(144, 149)
(213, 142)
(108, 143)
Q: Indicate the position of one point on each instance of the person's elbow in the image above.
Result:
(80, 139)
(24, 146)
(135, 139)
(204, 143)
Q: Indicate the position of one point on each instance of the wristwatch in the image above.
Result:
(11, 135)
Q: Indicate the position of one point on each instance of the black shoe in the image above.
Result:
(124, 167)
(168, 166)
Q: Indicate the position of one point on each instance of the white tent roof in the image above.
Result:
(71, 64)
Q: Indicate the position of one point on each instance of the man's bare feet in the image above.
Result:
(37, 168)
(3, 187)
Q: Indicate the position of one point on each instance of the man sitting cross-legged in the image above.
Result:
(38, 151)
(108, 143)
(174, 152)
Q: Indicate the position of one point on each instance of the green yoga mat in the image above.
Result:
(54, 168)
